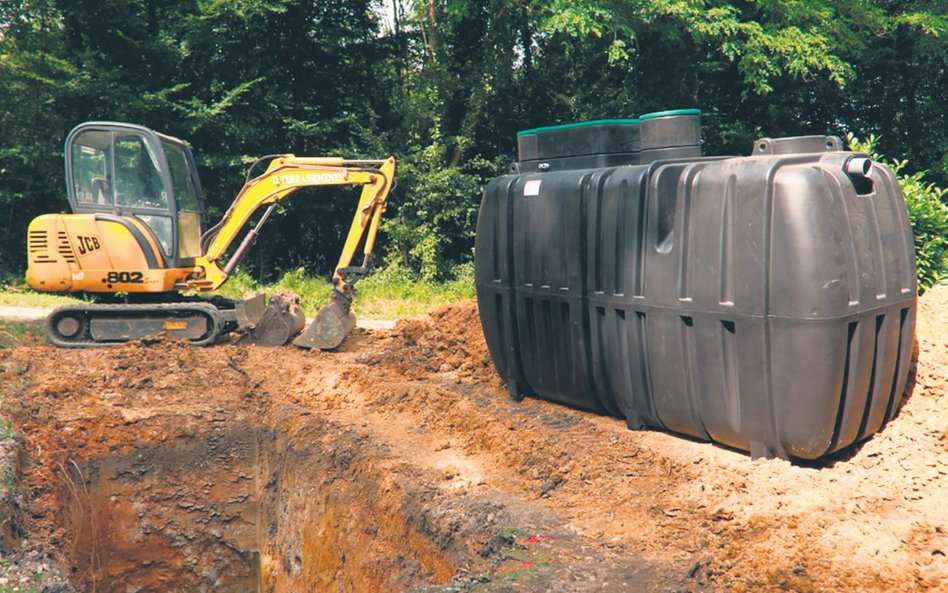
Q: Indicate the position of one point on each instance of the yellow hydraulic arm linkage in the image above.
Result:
(286, 174)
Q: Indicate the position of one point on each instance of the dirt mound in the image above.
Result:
(400, 462)
(450, 339)
(932, 330)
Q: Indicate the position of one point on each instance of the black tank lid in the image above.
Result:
(601, 136)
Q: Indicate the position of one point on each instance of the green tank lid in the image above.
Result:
(670, 113)
(582, 124)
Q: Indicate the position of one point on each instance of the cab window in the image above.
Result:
(184, 192)
(161, 226)
(138, 181)
(90, 168)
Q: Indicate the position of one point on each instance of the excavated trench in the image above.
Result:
(174, 468)
(242, 508)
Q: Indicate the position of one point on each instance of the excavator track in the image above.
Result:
(99, 325)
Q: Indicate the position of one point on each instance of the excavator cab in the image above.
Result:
(121, 171)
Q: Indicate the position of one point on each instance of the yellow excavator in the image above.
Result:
(137, 242)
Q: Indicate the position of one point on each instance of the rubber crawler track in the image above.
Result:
(130, 313)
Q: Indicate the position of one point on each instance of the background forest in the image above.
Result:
(444, 85)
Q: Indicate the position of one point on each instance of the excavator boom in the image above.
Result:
(286, 174)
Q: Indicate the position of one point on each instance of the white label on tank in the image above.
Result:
(532, 187)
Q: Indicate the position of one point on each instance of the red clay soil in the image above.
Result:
(421, 407)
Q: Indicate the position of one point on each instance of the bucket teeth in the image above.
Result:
(275, 323)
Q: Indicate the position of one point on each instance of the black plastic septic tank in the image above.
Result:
(764, 302)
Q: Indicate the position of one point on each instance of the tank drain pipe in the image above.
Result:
(860, 166)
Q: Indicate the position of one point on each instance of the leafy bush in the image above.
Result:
(431, 221)
(927, 211)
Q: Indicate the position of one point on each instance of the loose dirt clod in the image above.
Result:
(400, 464)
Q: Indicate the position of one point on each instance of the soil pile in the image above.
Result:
(448, 340)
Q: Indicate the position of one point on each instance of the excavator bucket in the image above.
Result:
(275, 324)
(250, 310)
(330, 326)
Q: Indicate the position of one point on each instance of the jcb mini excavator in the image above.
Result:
(136, 241)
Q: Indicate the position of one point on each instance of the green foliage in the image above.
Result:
(768, 43)
(435, 228)
(443, 85)
(928, 211)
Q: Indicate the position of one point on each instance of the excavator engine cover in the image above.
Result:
(764, 302)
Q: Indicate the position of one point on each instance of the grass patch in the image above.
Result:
(7, 479)
(389, 293)
(7, 483)
(9, 589)
(19, 333)
(7, 431)
(16, 295)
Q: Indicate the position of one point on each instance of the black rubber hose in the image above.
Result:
(257, 162)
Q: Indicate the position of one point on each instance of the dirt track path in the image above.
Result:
(577, 501)
(23, 313)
